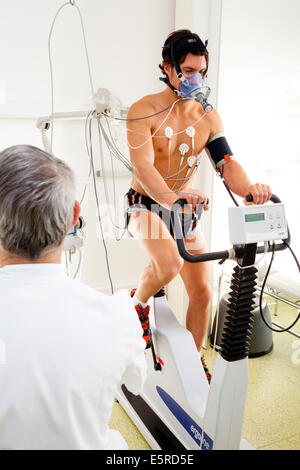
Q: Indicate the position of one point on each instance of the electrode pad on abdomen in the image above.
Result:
(218, 150)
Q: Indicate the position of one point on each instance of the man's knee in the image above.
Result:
(201, 293)
(168, 269)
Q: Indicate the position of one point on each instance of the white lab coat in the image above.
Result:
(64, 349)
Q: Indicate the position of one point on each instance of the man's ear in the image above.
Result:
(167, 69)
(76, 212)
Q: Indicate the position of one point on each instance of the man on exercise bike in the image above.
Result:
(163, 173)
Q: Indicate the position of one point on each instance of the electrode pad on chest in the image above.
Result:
(218, 150)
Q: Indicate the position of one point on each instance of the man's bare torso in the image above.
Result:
(183, 115)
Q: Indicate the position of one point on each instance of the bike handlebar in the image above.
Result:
(273, 198)
(214, 255)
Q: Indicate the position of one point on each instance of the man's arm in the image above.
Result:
(142, 155)
(235, 176)
(238, 181)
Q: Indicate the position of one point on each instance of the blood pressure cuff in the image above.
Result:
(218, 150)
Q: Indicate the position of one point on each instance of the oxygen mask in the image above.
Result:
(194, 87)
(191, 85)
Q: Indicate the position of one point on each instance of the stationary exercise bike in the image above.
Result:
(178, 409)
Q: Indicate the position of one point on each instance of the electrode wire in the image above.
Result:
(154, 133)
(98, 205)
(51, 62)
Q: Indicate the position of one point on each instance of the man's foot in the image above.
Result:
(207, 373)
(143, 314)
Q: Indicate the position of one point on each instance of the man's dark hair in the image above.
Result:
(181, 52)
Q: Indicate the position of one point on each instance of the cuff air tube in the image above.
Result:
(218, 150)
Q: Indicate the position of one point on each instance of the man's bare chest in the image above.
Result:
(180, 138)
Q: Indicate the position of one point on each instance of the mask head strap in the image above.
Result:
(182, 47)
(166, 81)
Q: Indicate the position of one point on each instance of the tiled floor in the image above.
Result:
(272, 415)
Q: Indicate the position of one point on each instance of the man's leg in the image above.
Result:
(161, 249)
(196, 278)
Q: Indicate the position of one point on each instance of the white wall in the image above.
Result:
(124, 41)
(259, 102)
(254, 73)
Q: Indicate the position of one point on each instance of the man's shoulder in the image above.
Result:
(83, 288)
(93, 298)
(80, 293)
(92, 293)
(214, 122)
(146, 105)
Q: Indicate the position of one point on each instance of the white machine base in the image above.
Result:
(179, 410)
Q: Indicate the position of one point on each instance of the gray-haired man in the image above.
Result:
(66, 345)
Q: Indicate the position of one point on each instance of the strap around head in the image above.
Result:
(166, 81)
(183, 46)
(175, 62)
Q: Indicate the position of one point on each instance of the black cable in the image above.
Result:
(230, 193)
(97, 203)
(293, 254)
(262, 292)
(282, 330)
(140, 118)
(146, 117)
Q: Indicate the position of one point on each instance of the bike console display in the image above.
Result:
(257, 223)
